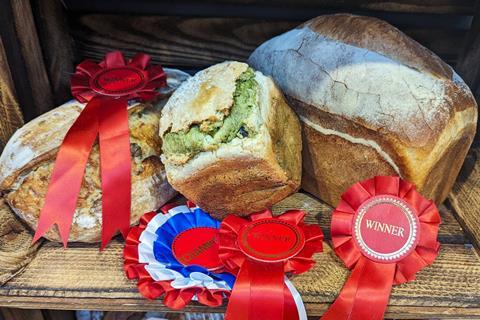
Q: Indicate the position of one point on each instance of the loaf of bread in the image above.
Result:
(371, 101)
(231, 143)
(28, 158)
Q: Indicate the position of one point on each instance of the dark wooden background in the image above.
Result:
(42, 40)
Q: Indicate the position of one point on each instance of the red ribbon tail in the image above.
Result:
(115, 166)
(67, 175)
(366, 293)
(258, 292)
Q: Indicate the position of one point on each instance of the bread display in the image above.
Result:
(231, 144)
(371, 101)
(27, 162)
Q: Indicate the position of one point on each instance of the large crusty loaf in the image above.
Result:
(28, 158)
(248, 173)
(372, 101)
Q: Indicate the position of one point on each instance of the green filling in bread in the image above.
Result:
(209, 135)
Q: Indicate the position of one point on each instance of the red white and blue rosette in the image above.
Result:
(174, 254)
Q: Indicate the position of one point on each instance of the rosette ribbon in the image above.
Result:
(385, 232)
(106, 88)
(260, 250)
(174, 254)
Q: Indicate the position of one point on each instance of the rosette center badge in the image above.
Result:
(271, 240)
(385, 228)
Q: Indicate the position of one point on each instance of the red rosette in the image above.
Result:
(260, 250)
(386, 232)
(106, 87)
(173, 298)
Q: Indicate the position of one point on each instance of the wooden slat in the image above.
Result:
(57, 46)
(32, 55)
(200, 42)
(24, 56)
(81, 277)
(20, 314)
(468, 65)
(158, 7)
(10, 114)
(465, 196)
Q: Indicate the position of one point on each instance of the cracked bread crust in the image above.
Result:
(372, 102)
(250, 174)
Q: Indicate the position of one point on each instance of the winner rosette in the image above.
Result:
(174, 254)
(260, 250)
(386, 232)
(106, 87)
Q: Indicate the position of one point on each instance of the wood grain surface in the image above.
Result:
(159, 7)
(200, 42)
(81, 277)
(465, 196)
(10, 115)
(57, 46)
(32, 56)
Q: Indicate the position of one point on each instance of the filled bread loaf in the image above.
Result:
(28, 159)
(371, 101)
(231, 144)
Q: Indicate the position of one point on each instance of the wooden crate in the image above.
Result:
(42, 40)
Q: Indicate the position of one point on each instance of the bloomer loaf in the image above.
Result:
(372, 102)
(28, 158)
(231, 143)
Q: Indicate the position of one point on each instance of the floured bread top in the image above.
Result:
(206, 96)
(365, 70)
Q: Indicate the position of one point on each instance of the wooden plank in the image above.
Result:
(200, 42)
(24, 56)
(10, 115)
(57, 46)
(465, 196)
(81, 277)
(160, 7)
(20, 314)
(468, 65)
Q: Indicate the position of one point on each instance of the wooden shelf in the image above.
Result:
(81, 277)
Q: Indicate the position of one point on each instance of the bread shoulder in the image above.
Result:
(207, 96)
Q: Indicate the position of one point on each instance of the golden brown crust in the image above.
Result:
(332, 164)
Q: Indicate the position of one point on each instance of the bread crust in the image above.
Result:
(28, 159)
(372, 102)
(247, 175)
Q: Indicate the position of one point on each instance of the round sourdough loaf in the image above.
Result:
(248, 173)
(28, 158)
(372, 101)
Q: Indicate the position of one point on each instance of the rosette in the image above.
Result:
(386, 232)
(175, 254)
(260, 250)
(106, 87)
